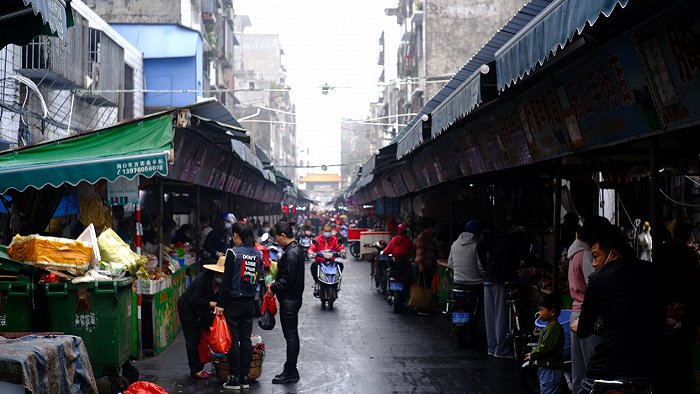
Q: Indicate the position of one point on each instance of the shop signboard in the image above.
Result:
(123, 191)
(605, 97)
(671, 49)
(542, 125)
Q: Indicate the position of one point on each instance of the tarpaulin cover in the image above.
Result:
(47, 365)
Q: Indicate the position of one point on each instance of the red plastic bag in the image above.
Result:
(269, 304)
(145, 388)
(220, 340)
(203, 346)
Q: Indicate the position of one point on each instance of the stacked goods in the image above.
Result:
(119, 255)
(52, 253)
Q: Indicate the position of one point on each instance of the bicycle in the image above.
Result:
(517, 333)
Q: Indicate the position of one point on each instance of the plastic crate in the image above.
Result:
(98, 312)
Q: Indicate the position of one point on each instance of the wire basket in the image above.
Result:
(220, 363)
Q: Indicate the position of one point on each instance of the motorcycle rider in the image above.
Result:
(402, 248)
(325, 241)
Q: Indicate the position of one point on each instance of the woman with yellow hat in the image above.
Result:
(196, 309)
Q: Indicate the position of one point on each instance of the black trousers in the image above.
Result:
(191, 332)
(289, 318)
(239, 318)
(314, 269)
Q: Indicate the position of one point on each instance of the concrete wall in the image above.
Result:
(183, 12)
(456, 29)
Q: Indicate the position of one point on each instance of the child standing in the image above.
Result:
(547, 355)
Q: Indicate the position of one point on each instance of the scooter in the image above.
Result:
(529, 368)
(397, 284)
(305, 242)
(462, 309)
(329, 277)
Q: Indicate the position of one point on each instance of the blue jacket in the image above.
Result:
(243, 272)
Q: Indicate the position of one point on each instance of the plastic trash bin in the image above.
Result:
(98, 312)
(16, 311)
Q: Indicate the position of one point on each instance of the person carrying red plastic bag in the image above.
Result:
(243, 278)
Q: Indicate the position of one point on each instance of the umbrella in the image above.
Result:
(22, 20)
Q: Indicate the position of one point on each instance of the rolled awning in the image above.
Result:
(460, 103)
(545, 34)
(124, 151)
(412, 139)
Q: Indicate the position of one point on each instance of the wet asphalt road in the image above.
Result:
(360, 347)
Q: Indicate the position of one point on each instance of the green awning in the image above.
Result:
(23, 20)
(126, 150)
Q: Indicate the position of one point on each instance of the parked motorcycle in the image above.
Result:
(305, 240)
(462, 309)
(398, 283)
(329, 277)
(529, 368)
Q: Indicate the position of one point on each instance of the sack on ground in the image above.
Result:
(267, 321)
(221, 339)
(421, 295)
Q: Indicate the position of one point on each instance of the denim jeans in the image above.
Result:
(550, 378)
(496, 318)
(239, 318)
(289, 318)
(586, 386)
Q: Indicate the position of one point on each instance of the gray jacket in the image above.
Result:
(464, 261)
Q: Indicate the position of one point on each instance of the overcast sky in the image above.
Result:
(327, 41)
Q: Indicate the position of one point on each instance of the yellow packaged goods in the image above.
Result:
(52, 253)
(114, 250)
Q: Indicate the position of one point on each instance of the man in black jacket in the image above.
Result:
(623, 302)
(289, 288)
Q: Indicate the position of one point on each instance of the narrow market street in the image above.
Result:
(360, 347)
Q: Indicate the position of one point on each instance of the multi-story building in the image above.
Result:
(321, 187)
(263, 96)
(437, 38)
(52, 88)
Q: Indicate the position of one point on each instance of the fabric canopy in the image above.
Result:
(410, 141)
(22, 20)
(544, 35)
(126, 150)
(460, 103)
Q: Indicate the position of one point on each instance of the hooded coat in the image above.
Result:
(464, 261)
(580, 268)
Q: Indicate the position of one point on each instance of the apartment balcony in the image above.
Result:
(104, 66)
(210, 11)
(57, 63)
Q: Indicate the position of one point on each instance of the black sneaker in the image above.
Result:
(286, 377)
(233, 383)
(245, 383)
(316, 290)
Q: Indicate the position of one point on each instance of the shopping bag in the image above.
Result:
(145, 388)
(269, 304)
(421, 294)
(203, 346)
(220, 340)
(267, 321)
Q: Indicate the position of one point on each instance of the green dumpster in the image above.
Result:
(16, 311)
(98, 312)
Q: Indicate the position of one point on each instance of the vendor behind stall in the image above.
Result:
(219, 240)
(196, 309)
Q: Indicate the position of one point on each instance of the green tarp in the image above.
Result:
(126, 150)
(22, 20)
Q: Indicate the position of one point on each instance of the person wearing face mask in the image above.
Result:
(219, 240)
(243, 277)
(196, 310)
(624, 294)
(325, 241)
